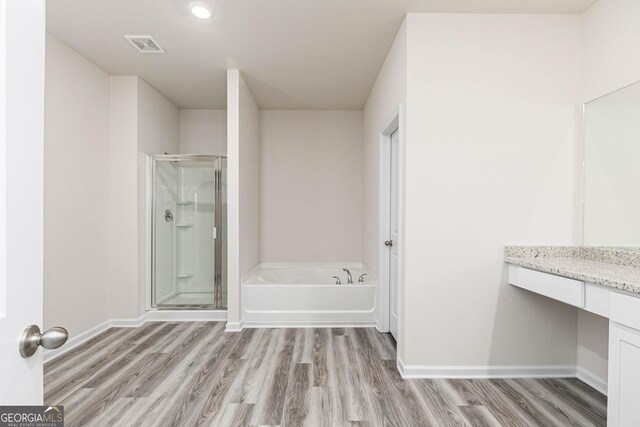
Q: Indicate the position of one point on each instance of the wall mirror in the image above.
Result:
(612, 169)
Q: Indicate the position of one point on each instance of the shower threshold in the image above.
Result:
(190, 301)
(188, 307)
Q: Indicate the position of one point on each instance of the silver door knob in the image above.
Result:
(388, 243)
(32, 338)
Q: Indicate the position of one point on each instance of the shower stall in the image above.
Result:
(188, 232)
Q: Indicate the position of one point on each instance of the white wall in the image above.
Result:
(158, 133)
(310, 186)
(123, 206)
(610, 61)
(593, 344)
(249, 180)
(158, 122)
(98, 129)
(76, 191)
(243, 187)
(143, 122)
(387, 98)
(491, 132)
(203, 132)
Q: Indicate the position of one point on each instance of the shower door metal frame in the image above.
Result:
(217, 256)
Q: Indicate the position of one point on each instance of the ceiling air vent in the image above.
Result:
(145, 44)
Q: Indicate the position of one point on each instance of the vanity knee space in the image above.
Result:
(569, 275)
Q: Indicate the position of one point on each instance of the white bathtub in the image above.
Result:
(282, 295)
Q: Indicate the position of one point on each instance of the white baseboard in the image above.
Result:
(317, 324)
(541, 371)
(380, 329)
(128, 323)
(400, 365)
(149, 316)
(591, 379)
(234, 326)
(536, 371)
(75, 341)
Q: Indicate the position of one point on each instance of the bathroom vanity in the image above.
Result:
(604, 281)
(601, 276)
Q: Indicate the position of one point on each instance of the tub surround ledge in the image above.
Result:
(617, 268)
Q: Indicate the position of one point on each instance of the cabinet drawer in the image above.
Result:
(596, 299)
(625, 309)
(559, 288)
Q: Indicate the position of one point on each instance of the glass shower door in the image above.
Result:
(187, 247)
(164, 232)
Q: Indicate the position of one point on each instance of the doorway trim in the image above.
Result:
(384, 220)
(3, 156)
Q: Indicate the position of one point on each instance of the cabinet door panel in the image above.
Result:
(624, 376)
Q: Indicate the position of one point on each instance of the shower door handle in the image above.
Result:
(214, 234)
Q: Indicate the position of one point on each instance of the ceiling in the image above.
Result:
(294, 54)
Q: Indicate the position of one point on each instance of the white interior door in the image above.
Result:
(22, 39)
(394, 232)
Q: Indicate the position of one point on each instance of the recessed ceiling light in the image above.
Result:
(200, 10)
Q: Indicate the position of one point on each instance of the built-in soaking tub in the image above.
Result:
(307, 295)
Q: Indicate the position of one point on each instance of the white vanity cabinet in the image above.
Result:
(623, 311)
(623, 408)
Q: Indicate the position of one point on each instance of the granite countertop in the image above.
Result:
(617, 268)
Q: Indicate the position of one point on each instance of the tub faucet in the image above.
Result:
(349, 278)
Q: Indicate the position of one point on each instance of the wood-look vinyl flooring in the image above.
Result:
(195, 374)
